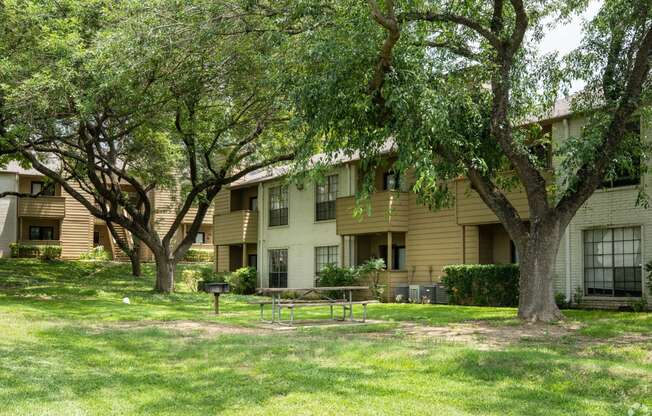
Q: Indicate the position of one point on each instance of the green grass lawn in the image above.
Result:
(69, 346)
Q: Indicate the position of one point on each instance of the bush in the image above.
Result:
(199, 255)
(243, 281)
(50, 253)
(482, 284)
(191, 279)
(96, 253)
(370, 271)
(332, 275)
(44, 252)
(560, 300)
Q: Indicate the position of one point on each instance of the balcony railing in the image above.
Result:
(42, 207)
(389, 212)
(236, 227)
(192, 212)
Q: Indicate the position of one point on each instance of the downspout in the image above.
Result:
(568, 238)
(261, 231)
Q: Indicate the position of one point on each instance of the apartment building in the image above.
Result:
(289, 232)
(56, 218)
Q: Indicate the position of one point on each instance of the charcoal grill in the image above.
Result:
(216, 289)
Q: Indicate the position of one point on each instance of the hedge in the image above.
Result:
(45, 252)
(482, 284)
(197, 254)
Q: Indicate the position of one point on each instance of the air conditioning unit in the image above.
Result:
(428, 294)
(400, 293)
(415, 293)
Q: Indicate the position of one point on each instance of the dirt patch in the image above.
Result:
(486, 336)
(185, 326)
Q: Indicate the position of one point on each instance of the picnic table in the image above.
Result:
(278, 304)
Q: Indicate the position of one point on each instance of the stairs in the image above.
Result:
(118, 254)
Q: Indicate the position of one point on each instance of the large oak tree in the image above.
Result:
(458, 86)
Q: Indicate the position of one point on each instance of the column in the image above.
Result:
(244, 255)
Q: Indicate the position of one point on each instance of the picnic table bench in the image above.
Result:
(278, 304)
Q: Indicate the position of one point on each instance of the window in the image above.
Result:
(326, 194)
(325, 256)
(398, 257)
(612, 262)
(253, 203)
(278, 268)
(391, 181)
(278, 206)
(252, 260)
(41, 233)
(96, 238)
(39, 186)
(200, 238)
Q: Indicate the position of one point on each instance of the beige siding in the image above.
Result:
(471, 241)
(222, 204)
(388, 211)
(236, 227)
(76, 229)
(42, 207)
(222, 259)
(472, 210)
(434, 240)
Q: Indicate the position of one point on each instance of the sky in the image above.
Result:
(565, 38)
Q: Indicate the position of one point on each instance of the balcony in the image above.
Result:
(192, 212)
(389, 212)
(42, 207)
(236, 227)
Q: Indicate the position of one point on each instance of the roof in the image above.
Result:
(275, 172)
(14, 167)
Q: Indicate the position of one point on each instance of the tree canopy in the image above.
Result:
(459, 87)
(115, 99)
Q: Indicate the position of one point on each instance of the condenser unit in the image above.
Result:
(415, 294)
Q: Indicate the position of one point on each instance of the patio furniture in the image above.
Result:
(278, 304)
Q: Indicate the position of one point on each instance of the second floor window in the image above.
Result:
(392, 181)
(326, 194)
(278, 205)
(39, 186)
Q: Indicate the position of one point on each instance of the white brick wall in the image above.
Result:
(606, 208)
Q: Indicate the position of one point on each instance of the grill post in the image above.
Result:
(217, 303)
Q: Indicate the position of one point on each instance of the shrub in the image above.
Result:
(482, 284)
(370, 270)
(96, 253)
(14, 248)
(332, 275)
(191, 279)
(560, 300)
(44, 252)
(50, 253)
(199, 255)
(243, 281)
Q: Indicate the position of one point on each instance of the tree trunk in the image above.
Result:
(165, 267)
(134, 258)
(537, 294)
